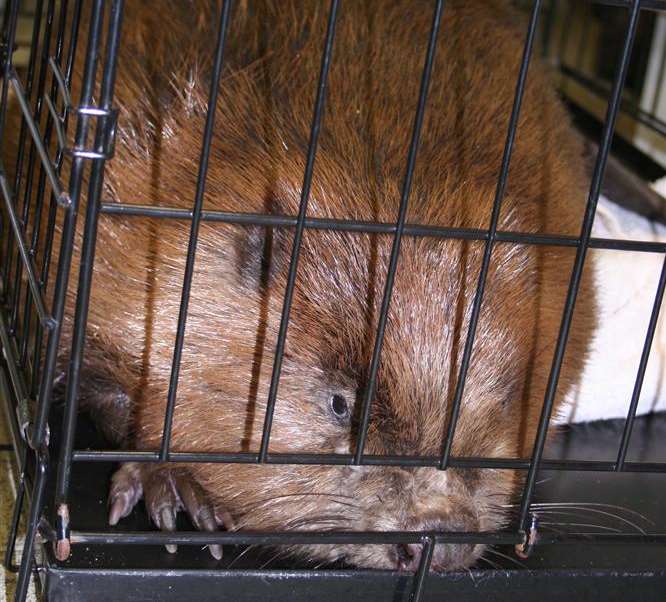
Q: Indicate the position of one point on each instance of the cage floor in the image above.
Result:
(591, 502)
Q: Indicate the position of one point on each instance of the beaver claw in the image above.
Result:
(166, 491)
(126, 491)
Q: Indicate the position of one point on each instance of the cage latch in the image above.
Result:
(62, 544)
(524, 549)
(104, 145)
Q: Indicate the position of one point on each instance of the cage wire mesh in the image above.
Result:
(57, 136)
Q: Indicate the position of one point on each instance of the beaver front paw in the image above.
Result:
(166, 491)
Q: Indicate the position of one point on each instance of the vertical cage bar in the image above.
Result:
(298, 233)
(23, 251)
(36, 504)
(37, 25)
(50, 227)
(16, 515)
(492, 230)
(39, 199)
(402, 215)
(574, 283)
(424, 568)
(194, 228)
(68, 229)
(20, 396)
(43, 282)
(7, 47)
(8, 41)
(32, 155)
(73, 41)
(88, 256)
(642, 366)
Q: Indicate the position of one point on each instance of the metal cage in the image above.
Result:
(30, 328)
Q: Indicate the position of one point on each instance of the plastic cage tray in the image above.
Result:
(554, 572)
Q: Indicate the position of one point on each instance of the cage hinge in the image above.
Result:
(103, 146)
(4, 54)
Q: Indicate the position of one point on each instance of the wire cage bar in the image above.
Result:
(194, 232)
(397, 237)
(586, 232)
(492, 234)
(30, 357)
(298, 234)
(88, 255)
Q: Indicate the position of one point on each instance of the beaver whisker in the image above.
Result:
(565, 512)
(588, 506)
(320, 522)
(597, 504)
(498, 519)
(599, 512)
(492, 564)
(310, 521)
(281, 553)
(578, 512)
(554, 530)
(332, 497)
(275, 557)
(583, 525)
(506, 557)
(243, 553)
(323, 563)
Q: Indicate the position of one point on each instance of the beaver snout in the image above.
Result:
(445, 556)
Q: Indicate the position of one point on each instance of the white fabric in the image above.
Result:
(660, 186)
(627, 282)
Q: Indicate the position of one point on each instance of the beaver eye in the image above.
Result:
(339, 406)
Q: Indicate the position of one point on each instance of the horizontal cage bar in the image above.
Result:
(368, 460)
(302, 538)
(355, 537)
(659, 5)
(361, 226)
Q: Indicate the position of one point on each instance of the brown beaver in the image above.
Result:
(257, 161)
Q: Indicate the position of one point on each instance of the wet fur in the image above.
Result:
(257, 161)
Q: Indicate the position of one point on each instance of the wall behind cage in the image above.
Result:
(580, 39)
(24, 29)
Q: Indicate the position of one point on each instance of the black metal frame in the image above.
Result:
(31, 375)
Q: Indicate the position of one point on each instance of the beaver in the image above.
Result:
(257, 160)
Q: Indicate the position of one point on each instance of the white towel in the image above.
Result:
(627, 283)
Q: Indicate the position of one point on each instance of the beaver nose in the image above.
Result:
(445, 556)
(408, 556)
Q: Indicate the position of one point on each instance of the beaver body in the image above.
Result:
(257, 161)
